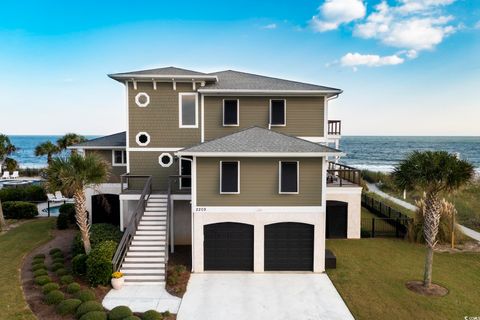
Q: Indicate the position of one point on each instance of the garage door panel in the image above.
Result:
(289, 247)
(228, 246)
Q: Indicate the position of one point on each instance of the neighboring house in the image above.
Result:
(237, 165)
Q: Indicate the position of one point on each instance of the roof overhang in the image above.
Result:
(254, 92)
(96, 147)
(164, 78)
(261, 154)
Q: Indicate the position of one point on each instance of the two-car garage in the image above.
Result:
(288, 246)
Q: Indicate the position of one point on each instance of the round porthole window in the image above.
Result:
(142, 99)
(143, 139)
(165, 160)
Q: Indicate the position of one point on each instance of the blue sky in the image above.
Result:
(407, 67)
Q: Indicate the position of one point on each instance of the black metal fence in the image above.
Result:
(390, 222)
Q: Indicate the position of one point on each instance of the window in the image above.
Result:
(142, 99)
(278, 112)
(165, 160)
(119, 157)
(229, 177)
(187, 110)
(288, 177)
(185, 170)
(230, 112)
(143, 139)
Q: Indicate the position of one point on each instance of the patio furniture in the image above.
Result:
(6, 175)
(14, 175)
(52, 198)
(59, 196)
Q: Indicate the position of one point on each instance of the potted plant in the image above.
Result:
(117, 280)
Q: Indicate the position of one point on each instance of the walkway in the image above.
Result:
(373, 188)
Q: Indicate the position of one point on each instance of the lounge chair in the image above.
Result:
(52, 198)
(59, 196)
(6, 175)
(15, 175)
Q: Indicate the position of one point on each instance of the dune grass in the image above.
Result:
(14, 245)
(371, 276)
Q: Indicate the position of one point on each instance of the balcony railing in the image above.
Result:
(334, 127)
(133, 183)
(340, 175)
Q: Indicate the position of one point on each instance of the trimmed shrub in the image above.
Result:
(42, 280)
(19, 210)
(62, 221)
(152, 315)
(61, 272)
(68, 306)
(39, 266)
(95, 315)
(37, 261)
(58, 255)
(99, 232)
(27, 193)
(54, 250)
(86, 295)
(87, 307)
(57, 266)
(39, 256)
(54, 297)
(73, 288)
(59, 260)
(49, 287)
(66, 279)
(119, 313)
(79, 264)
(40, 272)
(68, 209)
(99, 263)
(132, 318)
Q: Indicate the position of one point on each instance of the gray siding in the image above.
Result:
(146, 163)
(115, 171)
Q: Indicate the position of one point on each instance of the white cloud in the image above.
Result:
(421, 5)
(477, 25)
(332, 13)
(270, 26)
(370, 60)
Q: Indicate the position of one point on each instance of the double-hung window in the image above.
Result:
(278, 112)
(288, 177)
(231, 112)
(229, 177)
(119, 158)
(188, 110)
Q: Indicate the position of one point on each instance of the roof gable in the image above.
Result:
(116, 140)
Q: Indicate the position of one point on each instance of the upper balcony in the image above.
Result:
(341, 175)
(334, 128)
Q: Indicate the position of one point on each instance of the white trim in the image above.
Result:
(155, 149)
(259, 209)
(238, 114)
(193, 205)
(154, 85)
(284, 114)
(124, 158)
(128, 126)
(280, 177)
(314, 139)
(202, 118)
(180, 159)
(180, 97)
(170, 77)
(137, 99)
(137, 138)
(96, 147)
(343, 190)
(282, 92)
(170, 162)
(261, 154)
(238, 177)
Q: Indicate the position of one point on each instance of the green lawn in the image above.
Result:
(371, 276)
(14, 245)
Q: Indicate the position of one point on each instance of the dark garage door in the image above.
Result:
(228, 246)
(289, 247)
(337, 219)
(106, 209)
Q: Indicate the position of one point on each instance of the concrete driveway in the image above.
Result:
(271, 296)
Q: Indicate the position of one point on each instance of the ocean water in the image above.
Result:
(378, 153)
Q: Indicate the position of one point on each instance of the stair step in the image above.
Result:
(150, 233)
(142, 271)
(157, 204)
(148, 243)
(152, 228)
(146, 283)
(144, 277)
(149, 237)
(158, 195)
(136, 265)
(155, 213)
(144, 259)
(153, 218)
(157, 209)
(156, 253)
(157, 200)
(152, 223)
(146, 248)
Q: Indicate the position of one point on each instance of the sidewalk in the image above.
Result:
(373, 188)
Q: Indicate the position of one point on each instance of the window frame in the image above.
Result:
(238, 177)
(124, 158)
(167, 165)
(180, 110)
(137, 139)
(284, 114)
(280, 177)
(137, 99)
(238, 113)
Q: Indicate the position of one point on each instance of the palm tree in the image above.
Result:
(70, 139)
(72, 175)
(46, 148)
(432, 172)
(6, 148)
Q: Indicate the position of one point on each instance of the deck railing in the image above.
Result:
(334, 127)
(340, 175)
(127, 238)
(133, 182)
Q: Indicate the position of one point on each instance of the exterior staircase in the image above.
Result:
(145, 260)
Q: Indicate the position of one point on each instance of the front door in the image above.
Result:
(185, 170)
(337, 219)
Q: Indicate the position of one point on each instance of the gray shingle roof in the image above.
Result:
(230, 79)
(160, 72)
(114, 140)
(256, 139)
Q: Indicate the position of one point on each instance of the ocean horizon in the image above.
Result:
(377, 153)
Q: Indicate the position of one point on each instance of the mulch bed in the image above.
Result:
(469, 246)
(434, 290)
(178, 269)
(33, 294)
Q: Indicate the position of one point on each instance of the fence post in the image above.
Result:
(373, 227)
(397, 231)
